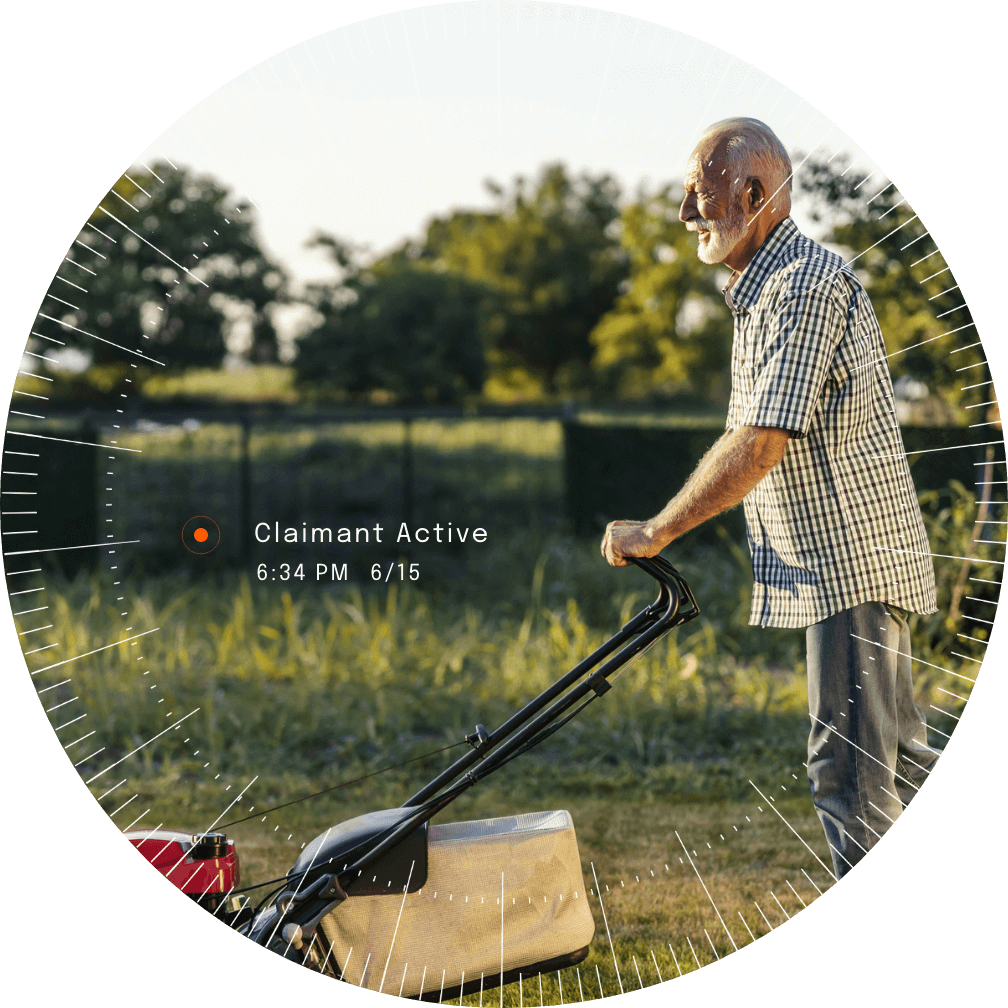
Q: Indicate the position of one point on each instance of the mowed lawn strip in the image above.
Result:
(662, 911)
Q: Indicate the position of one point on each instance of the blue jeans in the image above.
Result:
(867, 748)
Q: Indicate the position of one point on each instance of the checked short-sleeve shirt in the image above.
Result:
(836, 522)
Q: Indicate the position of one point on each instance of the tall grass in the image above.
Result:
(955, 637)
(329, 681)
(306, 687)
(326, 684)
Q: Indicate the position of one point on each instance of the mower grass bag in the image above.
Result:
(454, 933)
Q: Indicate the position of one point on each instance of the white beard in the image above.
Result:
(724, 236)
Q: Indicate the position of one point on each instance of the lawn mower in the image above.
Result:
(395, 903)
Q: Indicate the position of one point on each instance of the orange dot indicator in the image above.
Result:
(201, 535)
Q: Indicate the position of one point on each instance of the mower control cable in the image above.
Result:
(476, 741)
(336, 787)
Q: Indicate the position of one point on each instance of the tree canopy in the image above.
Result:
(669, 330)
(504, 300)
(398, 331)
(927, 326)
(577, 296)
(562, 289)
(166, 266)
(549, 254)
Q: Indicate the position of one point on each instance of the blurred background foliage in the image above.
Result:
(169, 266)
(928, 329)
(394, 332)
(565, 289)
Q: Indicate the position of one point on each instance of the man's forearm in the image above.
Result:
(731, 468)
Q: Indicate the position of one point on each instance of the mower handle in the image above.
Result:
(651, 622)
(521, 730)
(669, 580)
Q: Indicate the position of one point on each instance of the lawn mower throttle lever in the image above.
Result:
(479, 738)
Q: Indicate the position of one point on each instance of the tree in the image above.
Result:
(670, 329)
(398, 331)
(548, 253)
(928, 329)
(166, 265)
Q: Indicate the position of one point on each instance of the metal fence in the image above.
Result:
(247, 469)
(278, 470)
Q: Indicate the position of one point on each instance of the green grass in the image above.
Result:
(712, 417)
(305, 687)
(315, 680)
(249, 383)
(304, 690)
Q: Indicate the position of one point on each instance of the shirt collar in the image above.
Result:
(743, 289)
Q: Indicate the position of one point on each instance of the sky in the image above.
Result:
(368, 131)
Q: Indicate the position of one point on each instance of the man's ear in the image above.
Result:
(756, 192)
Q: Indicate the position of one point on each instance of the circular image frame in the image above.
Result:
(65, 812)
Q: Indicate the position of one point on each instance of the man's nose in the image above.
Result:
(688, 209)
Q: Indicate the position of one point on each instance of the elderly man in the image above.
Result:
(813, 450)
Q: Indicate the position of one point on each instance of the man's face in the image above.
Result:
(708, 206)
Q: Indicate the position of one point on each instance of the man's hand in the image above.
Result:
(628, 538)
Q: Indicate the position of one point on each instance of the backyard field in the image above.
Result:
(686, 782)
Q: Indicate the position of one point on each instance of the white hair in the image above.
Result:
(754, 149)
